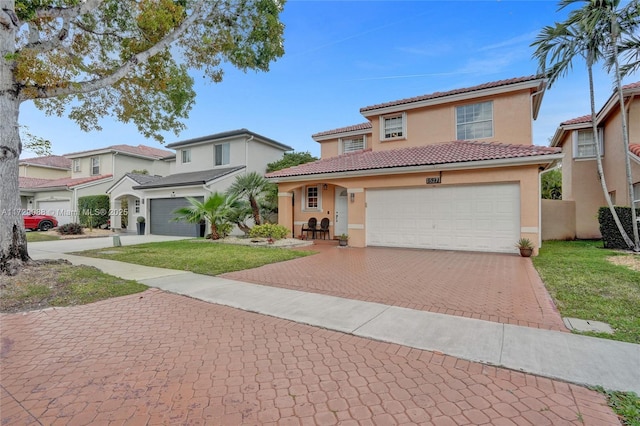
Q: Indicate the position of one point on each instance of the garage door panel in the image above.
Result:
(473, 217)
(60, 209)
(162, 218)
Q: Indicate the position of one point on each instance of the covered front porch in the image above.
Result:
(334, 201)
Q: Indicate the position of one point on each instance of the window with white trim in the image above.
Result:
(636, 194)
(612, 196)
(186, 156)
(355, 143)
(136, 206)
(474, 121)
(583, 144)
(76, 165)
(312, 198)
(222, 156)
(393, 126)
(95, 165)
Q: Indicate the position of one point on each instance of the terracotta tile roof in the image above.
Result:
(452, 152)
(29, 182)
(354, 128)
(436, 95)
(577, 120)
(68, 182)
(635, 148)
(49, 160)
(144, 150)
(630, 86)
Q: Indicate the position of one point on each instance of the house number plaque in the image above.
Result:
(431, 180)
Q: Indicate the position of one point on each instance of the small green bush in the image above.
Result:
(70, 229)
(269, 230)
(610, 234)
(94, 210)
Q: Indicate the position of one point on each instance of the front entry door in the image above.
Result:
(340, 221)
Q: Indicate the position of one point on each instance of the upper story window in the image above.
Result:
(474, 121)
(583, 144)
(312, 199)
(95, 165)
(186, 156)
(353, 144)
(393, 126)
(76, 165)
(222, 154)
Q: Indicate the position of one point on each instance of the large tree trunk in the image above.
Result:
(13, 242)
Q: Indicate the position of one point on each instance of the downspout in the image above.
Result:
(246, 153)
(554, 167)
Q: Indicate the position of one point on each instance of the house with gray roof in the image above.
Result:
(200, 167)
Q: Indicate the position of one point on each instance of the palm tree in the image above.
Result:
(215, 209)
(617, 25)
(556, 48)
(253, 187)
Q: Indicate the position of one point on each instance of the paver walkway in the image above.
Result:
(160, 358)
(494, 287)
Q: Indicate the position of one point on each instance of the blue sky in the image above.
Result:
(344, 55)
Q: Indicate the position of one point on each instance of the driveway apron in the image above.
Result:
(493, 287)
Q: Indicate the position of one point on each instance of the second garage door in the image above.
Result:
(161, 218)
(60, 209)
(473, 217)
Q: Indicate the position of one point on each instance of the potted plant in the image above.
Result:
(525, 246)
(141, 224)
(343, 239)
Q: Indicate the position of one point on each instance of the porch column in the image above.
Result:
(285, 211)
(116, 206)
(357, 217)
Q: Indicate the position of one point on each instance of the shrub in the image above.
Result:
(94, 210)
(70, 229)
(610, 234)
(269, 230)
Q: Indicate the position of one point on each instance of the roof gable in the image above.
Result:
(362, 127)
(440, 154)
(187, 179)
(140, 150)
(55, 161)
(231, 134)
(535, 80)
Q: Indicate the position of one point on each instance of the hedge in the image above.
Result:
(610, 233)
(93, 210)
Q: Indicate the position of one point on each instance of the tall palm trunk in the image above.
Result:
(625, 136)
(596, 139)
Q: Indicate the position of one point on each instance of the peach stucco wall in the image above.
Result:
(437, 124)
(292, 216)
(580, 182)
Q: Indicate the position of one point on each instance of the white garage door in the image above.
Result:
(60, 209)
(474, 217)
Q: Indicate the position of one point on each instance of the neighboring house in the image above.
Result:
(581, 189)
(92, 173)
(59, 197)
(47, 167)
(202, 166)
(451, 170)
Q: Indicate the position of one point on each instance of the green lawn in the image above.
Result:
(35, 236)
(199, 256)
(584, 284)
(60, 284)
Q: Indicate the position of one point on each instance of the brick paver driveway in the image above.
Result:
(494, 287)
(159, 358)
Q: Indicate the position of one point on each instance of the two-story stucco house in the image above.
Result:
(452, 170)
(581, 188)
(92, 172)
(202, 166)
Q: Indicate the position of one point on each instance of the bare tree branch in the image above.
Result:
(39, 46)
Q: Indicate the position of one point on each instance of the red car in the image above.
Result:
(42, 222)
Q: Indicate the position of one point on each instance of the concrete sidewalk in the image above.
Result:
(577, 359)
